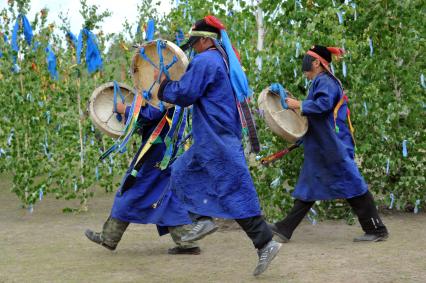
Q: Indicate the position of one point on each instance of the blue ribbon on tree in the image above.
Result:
(150, 30)
(28, 31)
(180, 37)
(370, 42)
(277, 88)
(72, 38)
(404, 148)
(51, 62)
(93, 55)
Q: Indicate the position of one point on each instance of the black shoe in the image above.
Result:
(97, 238)
(183, 251)
(371, 237)
(266, 255)
(279, 236)
(200, 230)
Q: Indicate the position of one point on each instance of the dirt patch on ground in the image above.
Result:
(49, 246)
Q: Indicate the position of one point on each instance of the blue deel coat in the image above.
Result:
(212, 177)
(135, 204)
(329, 170)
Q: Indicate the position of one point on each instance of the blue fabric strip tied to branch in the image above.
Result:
(150, 30)
(93, 55)
(27, 29)
(72, 38)
(180, 37)
(51, 62)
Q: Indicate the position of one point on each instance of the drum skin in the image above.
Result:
(143, 71)
(101, 108)
(288, 124)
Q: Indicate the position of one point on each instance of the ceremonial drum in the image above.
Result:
(147, 59)
(286, 123)
(101, 105)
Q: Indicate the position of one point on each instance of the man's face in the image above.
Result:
(312, 73)
(198, 46)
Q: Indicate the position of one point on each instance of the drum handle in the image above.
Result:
(117, 90)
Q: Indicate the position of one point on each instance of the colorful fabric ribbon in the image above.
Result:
(129, 128)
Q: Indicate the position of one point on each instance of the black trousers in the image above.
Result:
(363, 206)
(255, 227)
(257, 230)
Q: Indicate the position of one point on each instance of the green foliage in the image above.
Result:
(54, 148)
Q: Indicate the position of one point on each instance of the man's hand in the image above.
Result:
(292, 103)
(156, 74)
(121, 108)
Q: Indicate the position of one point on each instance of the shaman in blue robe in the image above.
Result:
(329, 170)
(212, 177)
(135, 204)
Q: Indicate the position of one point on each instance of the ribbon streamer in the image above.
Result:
(28, 31)
(93, 55)
(298, 46)
(404, 148)
(392, 198)
(51, 62)
(370, 42)
(150, 30)
(416, 207)
(340, 17)
(344, 70)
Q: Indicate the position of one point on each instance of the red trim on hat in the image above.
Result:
(214, 22)
(336, 51)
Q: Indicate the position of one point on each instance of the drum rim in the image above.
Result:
(275, 127)
(176, 49)
(95, 120)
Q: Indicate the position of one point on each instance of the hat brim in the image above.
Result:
(188, 44)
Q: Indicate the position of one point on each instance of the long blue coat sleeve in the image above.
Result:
(324, 99)
(192, 85)
(147, 113)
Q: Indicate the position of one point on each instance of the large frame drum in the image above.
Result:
(101, 105)
(143, 70)
(288, 124)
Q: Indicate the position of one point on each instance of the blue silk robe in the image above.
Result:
(329, 170)
(135, 204)
(212, 177)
